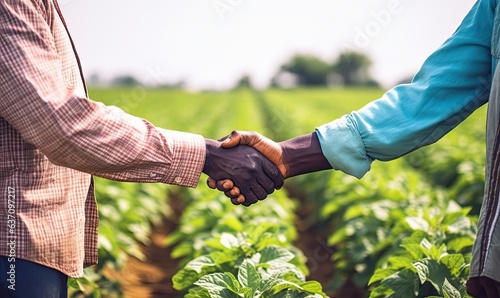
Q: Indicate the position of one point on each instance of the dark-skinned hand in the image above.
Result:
(253, 174)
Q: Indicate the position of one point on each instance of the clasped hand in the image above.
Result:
(245, 166)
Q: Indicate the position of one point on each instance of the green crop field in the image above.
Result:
(405, 230)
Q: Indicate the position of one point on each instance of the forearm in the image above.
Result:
(453, 82)
(303, 155)
(106, 142)
(42, 98)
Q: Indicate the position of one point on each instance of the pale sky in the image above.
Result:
(211, 43)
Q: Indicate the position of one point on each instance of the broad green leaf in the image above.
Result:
(404, 283)
(281, 269)
(313, 287)
(285, 294)
(232, 221)
(173, 238)
(291, 277)
(248, 275)
(184, 278)
(381, 274)
(426, 245)
(295, 294)
(197, 292)
(454, 262)
(216, 282)
(415, 238)
(381, 292)
(234, 285)
(449, 291)
(285, 285)
(247, 292)
(181, 250)
(275, 253)
(414, 250)
(220, 258)
(199, 263)
(417, 223)
(338, 236)
(422, 271)
(222, 293)
(72, 283)
(229, 241)
(437, 273)
(212, 243)
(459, 244)
(268, 284)
(401, 262)
(436, 252)
(459, 226)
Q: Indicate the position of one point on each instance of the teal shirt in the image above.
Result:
(453, 82)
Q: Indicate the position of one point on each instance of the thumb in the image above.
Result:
(234, 139)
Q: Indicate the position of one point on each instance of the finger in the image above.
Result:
(273, 173)
(241, 137)
(241, 199)
(223, 138)
(233, 192)
(250, 198)
(211, 183)
(266, 184)
(225, 185)
(235, 201)
(232, 140)
(261, 186)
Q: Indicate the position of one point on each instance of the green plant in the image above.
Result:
(211, 214)
(423, 269)
(127, 211)
(261, 272)
(220, 243)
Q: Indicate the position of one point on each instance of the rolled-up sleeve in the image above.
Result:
(452, 83)
(40, 101)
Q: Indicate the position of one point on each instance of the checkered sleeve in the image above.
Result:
(39, 98)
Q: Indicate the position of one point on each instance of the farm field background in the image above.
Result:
(405, 229)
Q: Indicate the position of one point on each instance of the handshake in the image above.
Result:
(247, 166)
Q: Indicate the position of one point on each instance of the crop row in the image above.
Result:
(406, 229)
(233, 251)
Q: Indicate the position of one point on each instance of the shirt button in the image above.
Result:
(178, 180)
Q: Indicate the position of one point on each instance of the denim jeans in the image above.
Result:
(25, 279)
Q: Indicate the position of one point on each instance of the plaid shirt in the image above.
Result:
(53, 138)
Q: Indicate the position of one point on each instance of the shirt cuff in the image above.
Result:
(343, 147)
(188, 158)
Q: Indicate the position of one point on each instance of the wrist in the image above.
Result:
(211, 147)
(303, 155)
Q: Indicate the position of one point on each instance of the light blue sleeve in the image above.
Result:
(452, 83)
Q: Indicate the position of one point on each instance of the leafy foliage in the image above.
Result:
(404, 230)
(371, 218)
(127, 212)
(232, 251)
(423, 269)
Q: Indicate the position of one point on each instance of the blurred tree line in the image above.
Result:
(351, 68)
